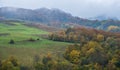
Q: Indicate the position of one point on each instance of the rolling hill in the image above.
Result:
(28, 42)
(56, 18)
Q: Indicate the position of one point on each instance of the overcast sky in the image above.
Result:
(81, 8)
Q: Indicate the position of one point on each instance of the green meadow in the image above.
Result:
(23, 49)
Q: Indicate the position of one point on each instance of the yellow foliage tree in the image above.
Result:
(10, 64)
(98, 67)
(74, 56)
(100, 37)
(112, 28)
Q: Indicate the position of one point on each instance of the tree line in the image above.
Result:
(92, 49)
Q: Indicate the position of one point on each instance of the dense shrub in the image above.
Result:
(11, 41)
(10, 64)
(31, 39)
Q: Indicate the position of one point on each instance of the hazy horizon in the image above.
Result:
(85, 9)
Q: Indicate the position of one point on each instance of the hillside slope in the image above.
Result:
(56, 17)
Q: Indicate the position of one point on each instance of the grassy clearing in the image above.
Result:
(18, 32)
(23, 49)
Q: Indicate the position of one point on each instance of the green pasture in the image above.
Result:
(23, 49)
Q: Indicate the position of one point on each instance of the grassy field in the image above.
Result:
(23, 49)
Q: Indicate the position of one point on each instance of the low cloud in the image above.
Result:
(82, 8)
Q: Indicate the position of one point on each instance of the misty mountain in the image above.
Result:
(38, 15)
(19, 13)
(54, 17)
(103, 17)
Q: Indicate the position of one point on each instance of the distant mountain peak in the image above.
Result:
(103, 17)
